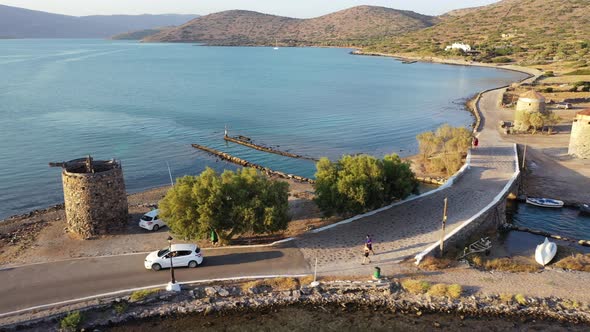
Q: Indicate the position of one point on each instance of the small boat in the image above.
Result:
(545, 202)
(545, 252)
(585, 208)
(409, 62)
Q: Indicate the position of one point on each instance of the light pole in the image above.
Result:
(172, 285)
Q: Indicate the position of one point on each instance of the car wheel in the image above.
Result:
(192, 264)
(155, 228)
(156, 267)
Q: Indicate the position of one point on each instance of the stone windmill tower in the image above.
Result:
(580, 137)
(94, 195)
(528, 102)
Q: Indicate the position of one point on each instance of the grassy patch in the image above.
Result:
(276, 284)
(72, 321)
(577, 262)
(506, 298)
(142, 294)
(438, 290)
(454, 291)
(430, 263)
(571, 304)
(579, 72)
(503, 264)
(520, 299)
(416, 286)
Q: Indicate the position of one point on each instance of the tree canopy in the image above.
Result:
(356, 184)
(443, 149)
(231, 204)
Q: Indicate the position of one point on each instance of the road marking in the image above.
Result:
(92, 297)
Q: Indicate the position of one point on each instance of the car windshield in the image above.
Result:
(146, 218)
(162, 252)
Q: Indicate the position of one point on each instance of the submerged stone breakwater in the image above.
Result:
(245, 163)
(511, 227)
(386, 295)
(246, 141)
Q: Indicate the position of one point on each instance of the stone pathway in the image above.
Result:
(407, 229)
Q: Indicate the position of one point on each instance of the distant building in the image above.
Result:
(458, 46)
(580, 137)
(529, 102)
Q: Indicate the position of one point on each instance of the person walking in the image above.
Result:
(366, 251)
(475, 142)
(369, 244)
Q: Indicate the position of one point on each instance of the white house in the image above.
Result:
(458, 46)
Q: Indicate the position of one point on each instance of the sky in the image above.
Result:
(291, 8)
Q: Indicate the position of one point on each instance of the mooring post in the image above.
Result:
(444, 222)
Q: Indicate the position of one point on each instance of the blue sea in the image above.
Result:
(146, 103)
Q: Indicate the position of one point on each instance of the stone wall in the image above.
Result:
(580, 137)
(95, 203)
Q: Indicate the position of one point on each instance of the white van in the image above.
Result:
(151, 221)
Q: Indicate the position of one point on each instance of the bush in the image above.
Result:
(439, 290)
(430, 263)
(520, 299)
(356, 184)
(503, 264)
(232, 203)
(142, 294)
(501, 59)
(276, 284)
(506, 298)
(549, 73)
(120, 307)
(444, 149)
(548, 90)
(586, 89)
(72, 321)
(454, 291)
(416, 286)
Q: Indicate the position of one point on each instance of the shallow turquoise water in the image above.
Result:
(146, 103)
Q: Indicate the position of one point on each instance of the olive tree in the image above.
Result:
(230, 204)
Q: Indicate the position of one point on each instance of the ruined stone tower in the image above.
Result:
(95, 196)
(528, 102)
(580, 137)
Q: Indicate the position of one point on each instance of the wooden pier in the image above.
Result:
(246, 141)
(245, 163)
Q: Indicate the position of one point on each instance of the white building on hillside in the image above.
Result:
(458, 46)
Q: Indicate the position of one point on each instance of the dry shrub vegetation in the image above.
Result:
(440, 290)
(578, 262)
(416, 286)
(277, 284)
(142, 294)
(444, 149)
(520, 299)
(503, 264)
(506, 298)
(430, 263)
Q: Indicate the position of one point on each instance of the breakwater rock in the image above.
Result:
(245, 163)
(246, 141)
(228, 299)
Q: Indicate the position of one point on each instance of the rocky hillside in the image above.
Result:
(356, 25)
(527, 31)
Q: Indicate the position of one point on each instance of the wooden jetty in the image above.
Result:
(247, 141)
(245, 163)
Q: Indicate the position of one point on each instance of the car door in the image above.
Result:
(158, 221)
(180, 258)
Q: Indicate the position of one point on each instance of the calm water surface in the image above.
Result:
(566, 222)
(146, 103)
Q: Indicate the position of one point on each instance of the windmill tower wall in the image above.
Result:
(580, 137)
(95, 197)
(529, 102)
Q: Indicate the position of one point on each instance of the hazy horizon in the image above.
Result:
(300, 9)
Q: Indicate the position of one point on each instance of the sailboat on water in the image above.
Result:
(276, 45)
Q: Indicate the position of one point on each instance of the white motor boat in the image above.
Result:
(545, 202)
(545, 252)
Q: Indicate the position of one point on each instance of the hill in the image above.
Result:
(353, 26)
(525, 31)
(139, 34)
(24, 23)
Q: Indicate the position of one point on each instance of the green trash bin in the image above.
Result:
(377, 273)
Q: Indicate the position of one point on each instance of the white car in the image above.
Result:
(151, 221)
(182, 255)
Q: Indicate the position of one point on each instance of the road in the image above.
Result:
(39, 284)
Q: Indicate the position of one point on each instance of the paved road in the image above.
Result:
(39, 284)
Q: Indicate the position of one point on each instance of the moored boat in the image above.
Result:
(545, 202)
(545, 252)
(585, 208)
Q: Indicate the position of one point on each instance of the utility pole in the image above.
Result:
(524, 157)
(444, 223)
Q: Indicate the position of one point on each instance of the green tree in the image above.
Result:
(232, 203)
(356, 184)
(427, 144)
